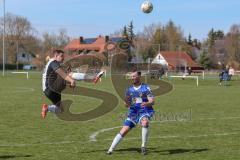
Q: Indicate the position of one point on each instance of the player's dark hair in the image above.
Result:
(58, 51)
(138, 72)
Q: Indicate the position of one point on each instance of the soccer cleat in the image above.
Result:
(44, 110)
(99, 75)
(109, 152)
(143, 150)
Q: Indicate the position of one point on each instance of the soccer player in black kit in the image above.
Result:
(54, 80)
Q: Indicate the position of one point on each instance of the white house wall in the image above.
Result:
(159, 59)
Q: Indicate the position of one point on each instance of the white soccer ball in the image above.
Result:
(147, 7)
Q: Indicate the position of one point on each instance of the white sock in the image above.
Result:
(115, 142)
(78, 76)
(53, 108)
(144, 136)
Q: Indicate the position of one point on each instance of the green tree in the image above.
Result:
(125, 33)
(128, 34)
(213, 36)
(130, 31)
(157, 35)
(205, 60)
(219, 34)
(211, 39)
(190, 42)
(174, 36)
(160, 37)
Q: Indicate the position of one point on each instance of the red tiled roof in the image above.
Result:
(91, 44)
(98, 56)
(98, 45)
(175, 58)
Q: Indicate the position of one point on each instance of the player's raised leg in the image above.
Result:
(77, 76)
(97, 77)
(83, 76)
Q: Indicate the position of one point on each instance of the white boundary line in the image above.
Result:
(92, 137)
(183, 137)
(158, 137)
(224, 118)
(20, 90)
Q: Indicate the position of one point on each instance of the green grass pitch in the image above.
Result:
(211, 133)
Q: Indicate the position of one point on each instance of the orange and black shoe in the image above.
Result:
(98, 76)
(44, 110)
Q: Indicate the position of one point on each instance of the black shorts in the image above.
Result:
(54, 97)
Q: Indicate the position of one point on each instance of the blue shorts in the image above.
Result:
(135, 117)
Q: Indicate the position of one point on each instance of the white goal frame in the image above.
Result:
(21, 73)
(183, 76)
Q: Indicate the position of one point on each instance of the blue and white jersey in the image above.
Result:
(137, 95)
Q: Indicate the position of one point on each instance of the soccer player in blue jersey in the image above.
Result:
(139, 101)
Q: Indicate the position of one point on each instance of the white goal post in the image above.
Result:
(183, 76)
(202, 72)
(21, 73)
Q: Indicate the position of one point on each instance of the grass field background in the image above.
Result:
(212, 133)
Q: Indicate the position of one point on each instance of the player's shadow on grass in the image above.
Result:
(179, 151)
(132, 150)
(164, 152)
(15, 156)
(154, 150)
(120, 150)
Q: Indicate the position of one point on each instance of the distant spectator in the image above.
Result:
(231, 72)
(189, 70)
(223, 75)
(160, 73)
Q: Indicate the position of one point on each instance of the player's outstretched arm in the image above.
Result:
(127, 101)
(66, 77)
(149, 103)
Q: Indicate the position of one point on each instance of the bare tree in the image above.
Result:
(232, 43)
(17, 28)
(52, 40)
(63, 38)
(149, 31)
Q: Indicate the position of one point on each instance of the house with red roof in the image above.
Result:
(92, 46)
(176, 59)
